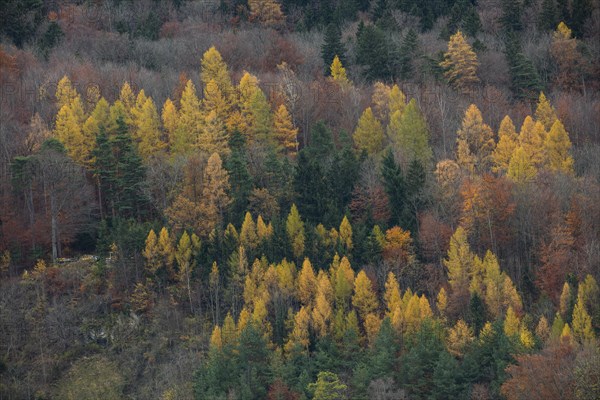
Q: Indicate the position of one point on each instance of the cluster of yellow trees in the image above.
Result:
(541, 144)
(184, 125)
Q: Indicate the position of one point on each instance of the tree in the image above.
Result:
(582, 323)
(507, 142)
(475, 142)
(338, 72)
(307, 284)
(323, 311)
(545, 113)
(395, 186)
(285, 133)
(328, 387)
(460, 265)
(295, 231)
(215, 198)
(374, 52)
(170, 120)
(525, 81)
(557, 146)
(460, 64)
(267, 12)
(147, 130)
(187, 249)
(511, 15)
(408, 131)
(213, 136)
(69, 132)
(532, 138)
(346, 235)
(368, 134)
(343, 283)
(213, 68)
(333, 48)
(364, 299)
(190, 122)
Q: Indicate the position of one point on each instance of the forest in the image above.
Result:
(296, 200)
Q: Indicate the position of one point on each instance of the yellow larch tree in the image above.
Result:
(582, 323)
(170, 120)
(475, 142)
(545, 113)
(460, 64)
(346, 235)
(214, 68)
(78, 142)
(368, 134)
(344, 283)
(266, 12)
(166, 251)
(507, 142)
(381, 100)
(300, 334)
(364, 299)
(189, 123)
(459, 262)
(397, 100)
(185, 255)
(307, 284)
(460, 336)
(214, 193)
(557, 149)
(248, 235)
(392, 295)
(520, 168)
(65, 92)
(531, 138)
(147, 130)
(98, 119)
(285, 133)
(295, 231)
(263, 231)
(151, 253)
(216, 339)
(442, 301)
(127, 97)
(323, 309)
(338, 72)
(512, 323)
(215, 101)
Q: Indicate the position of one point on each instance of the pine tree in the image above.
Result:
(374, 52)
(548, 18)
(525, 81)
(395, 186)
(285, 133)
(368, 135)
(475, 142)
(460, 64)
(333, 47)
(507, 142)
(408, 52)
(295, 232)
(511, 15)
(557, 146)
(408, 131)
